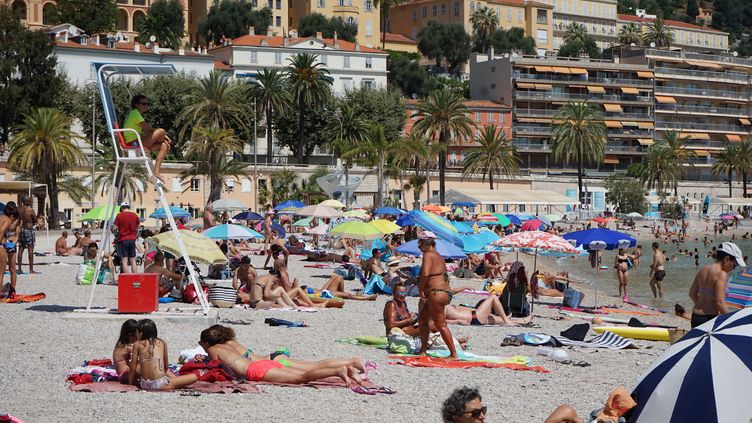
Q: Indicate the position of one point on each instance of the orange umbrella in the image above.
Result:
(432, 208)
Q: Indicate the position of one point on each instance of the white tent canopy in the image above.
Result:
(540, 197)
(733, 201)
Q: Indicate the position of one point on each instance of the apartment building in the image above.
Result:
(688, 37)
(362, 13)
(597, 16)
(538, 87)
(534, 17)
(281, 23)
(481, 112)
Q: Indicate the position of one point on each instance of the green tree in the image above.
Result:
(165, 22)
(74, 187)
(513, 39)
(626, 6)
(44, 147)
(577, 48)
(692, 9)
(665, 163)
(384, 6)
(744, 162)
(575, 32)
(375, 150)
(630, 34)
(410, 77)
(93, 16)
(348, 130)
(457, 47)
(231, 19)
(317, 121)
(208, 151)
(443, 116)
(484, 22)
(495, 155)
(383, 106)
(580, 136)
(134, 182)
(413, 154)
(430, 41)
(659, 33)
(309, 25)
(273, 96)
(726, 163)
(310, 86)
(625, 193)
(283, 186)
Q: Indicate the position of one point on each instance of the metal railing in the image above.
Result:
(547, 130)
(702, 109)
(729, 76)
(661, 125)
(552, 113)
(548, 95)
(720, 58)
(576, 79)
(527, 146)
(703, 92)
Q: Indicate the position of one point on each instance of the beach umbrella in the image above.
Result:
(524, 216)
(634, 215)
(463, 227)
(318, 230)
(653, 215)
(332, 203)
(357, 213)
(248, 215)
(385, 226)
(229, 231)
(601, 220)
(739, 291)
(488, 236)
(704, 377)
(195, 223)
(177, 213)
(728, 217)
(464, 204)
(533, 225)
(440, 226)
(544, 220)
(514, 220)
(228, 204)
(303, 223)
(275, 226)
(553, 218)
(96, 214)
(432, 208)
(199, 247)
(405, 220)
(738, 216)
(391, 211)
(459, 212)
(445, 249)
(356, 230)
(289, 204)
(474, 244)
(503, 220)
(319, 211)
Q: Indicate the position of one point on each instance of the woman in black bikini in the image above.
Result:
(489, 312)
(396, 314)
(621, 264)
(9, 222)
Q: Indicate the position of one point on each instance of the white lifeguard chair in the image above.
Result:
(133, 153)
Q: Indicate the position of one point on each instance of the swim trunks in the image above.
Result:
(698, 319)
(659, 275)
(27, 238)
(257, 369)
(474, 321)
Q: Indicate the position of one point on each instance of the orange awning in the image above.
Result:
(644, 74)
(558, 69)
(544, 87)
(645, 141)
(694, 135)
(645, 125)
(744, 121)
(629, 123)
(543, 69)
(733, 138)
(702, 153)
(525, 85)
(596, 90)
(703, 64)
(613, 108)
(629, 90)
(662, 99)
(578, 71)
(612, 124)
(611, 160)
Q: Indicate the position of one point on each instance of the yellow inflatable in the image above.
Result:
(650, 334)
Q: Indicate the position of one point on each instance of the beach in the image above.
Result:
(40, 344)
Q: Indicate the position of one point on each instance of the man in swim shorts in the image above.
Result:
(708, 291)
(657, 271)
(27, 237)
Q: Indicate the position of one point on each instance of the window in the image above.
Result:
(254, 57)
(477, 117)
(443, 9)
(369, 28)
(501, 118)
(368, 6)
(368, 84)
(509, 15)
(520, 17)
(278, 5)
(177, 186)
(434, 10)
(277, 58)
(498, 12)
(415, 14)
(346, 62)
(351, 21)
(245, 185)
(322, 59)
(542, 36)
(472, 6)
(270, 4)
(490, 116)
(346, 84)
(424, 12)
(320, 4)
(456, 8)
(369, 62)
(195, 185)
(278, 21)
(230, 185)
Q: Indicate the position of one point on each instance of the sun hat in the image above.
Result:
(393, 262)
(427, 235)
(125, 204)
(731, 249)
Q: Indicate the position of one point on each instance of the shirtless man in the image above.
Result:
(708, 290)
(267, 227)
(373, 265)
(280, 269)
(657, 271)
(27, 238)
(252, 289)
(167, 280)
(209, 217)
(276, 244)
(61, 245)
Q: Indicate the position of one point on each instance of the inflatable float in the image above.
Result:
(650, 334)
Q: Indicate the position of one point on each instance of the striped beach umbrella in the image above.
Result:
(177, 213)
(440, 226)
(739, 292)
(704, 377)
(229, 231)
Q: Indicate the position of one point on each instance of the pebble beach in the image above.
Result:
(40, 342)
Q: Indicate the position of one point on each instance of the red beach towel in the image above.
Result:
(425, 361)
(19, 298)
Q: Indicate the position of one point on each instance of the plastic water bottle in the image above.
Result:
(556, 354)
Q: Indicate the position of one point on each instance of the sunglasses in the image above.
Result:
(477, 412)
(144, 104)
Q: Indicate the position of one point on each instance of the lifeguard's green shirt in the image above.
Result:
(133, 121)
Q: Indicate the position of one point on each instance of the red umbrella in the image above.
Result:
(600, 219)
(537, 240)
(532, 225)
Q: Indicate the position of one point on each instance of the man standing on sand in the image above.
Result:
(127, 224)
(209, 217)
(27, 238)
(657, 271)
(267, 232)
(708, 291)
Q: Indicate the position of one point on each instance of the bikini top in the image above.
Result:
(396, 311)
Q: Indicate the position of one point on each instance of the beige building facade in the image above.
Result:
(362, 13)
(688, 37)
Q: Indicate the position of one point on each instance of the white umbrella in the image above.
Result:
(318, 211)
(318, 230)
(705, 377)
(634, 214)
(333, 204)
(228, 204)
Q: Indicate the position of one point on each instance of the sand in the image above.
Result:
(39, 345)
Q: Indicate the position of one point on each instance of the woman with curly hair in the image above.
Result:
(463, 406)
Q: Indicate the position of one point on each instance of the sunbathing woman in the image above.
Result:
(150, 355)
(246, 352)
(216, 342)
(336, 286)
(488, 312)
(121, 355)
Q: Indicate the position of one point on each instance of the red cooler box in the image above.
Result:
(138, 292)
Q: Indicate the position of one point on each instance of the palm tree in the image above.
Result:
(744, 162)
(484, 21)
(214, 101)
(659, 33)
(283, 186)
(580, 135)
(413, 154)
(443, 116)
(575, 32)
(630, 34)
(44, 147)
(384, 6)
(375, 150)
(664, 165)
(74, 187)
(726, 164)
(155, 25)
(310, 83)
(133, 184)
(496, 155)
(351, 129)
(209, 148)
(273, 96)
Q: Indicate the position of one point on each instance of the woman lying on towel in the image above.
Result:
(150, 360)
(488, 312)
(336, 286)
(219, 343)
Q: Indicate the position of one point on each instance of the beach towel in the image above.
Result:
(536, 339)
(606, 340)
(19, 298)
(212, 371)
(366, 341)
(376, 285)
(200, 387)
(633, 312)
(425, 361)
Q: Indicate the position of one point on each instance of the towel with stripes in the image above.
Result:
(607, 339)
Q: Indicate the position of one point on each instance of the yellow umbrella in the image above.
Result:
(199, 247)
(385, 226)
(332, 203)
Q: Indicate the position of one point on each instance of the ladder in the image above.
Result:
(134, 153)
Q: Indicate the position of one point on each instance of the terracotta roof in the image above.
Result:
(255, 41)
(124, 48)
(679, 24)
(220, 65)
(397, 38)
(472, 104)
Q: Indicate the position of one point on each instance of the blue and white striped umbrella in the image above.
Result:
(229, 231)
(705, 377)
(177, 213)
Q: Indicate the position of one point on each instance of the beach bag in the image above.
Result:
(222, 296)
(400, 343)
(572, 298)
(86, 274)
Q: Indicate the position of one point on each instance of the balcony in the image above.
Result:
(666, 125)
(738, 78)
(697, 144)
(546, 130)
(720, 58)
(702, 92)
(549, 95)
(344, 7)
(523, 146)
(590, 80)
(552, 113)
(623, 149)
(703, 110)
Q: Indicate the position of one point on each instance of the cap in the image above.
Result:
(125, 204)
(427, 235)
(731, 249)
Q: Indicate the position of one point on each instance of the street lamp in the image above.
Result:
(93, 138)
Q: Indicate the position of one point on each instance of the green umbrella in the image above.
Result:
(503, 220)
(458, 211)
(303, 223)
(356, 230)
(553, 217)
(98, 213)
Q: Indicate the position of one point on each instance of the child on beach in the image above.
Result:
(121, 354)
(150, 356)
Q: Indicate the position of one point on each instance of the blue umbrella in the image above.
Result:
(653, 215)
(405, 220)
(445, 249)
(289, 204)
(704, 377)
(229, 231)
(464, 204)
(487, 236)
(463, 227)
(514, 219)
(612, 239)
(438, 225)
(248, 215)
(2, 207)
(524, 216)
(391, 211)
(177, 213)
(275, 226)
(545, 220)
(474, 244)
